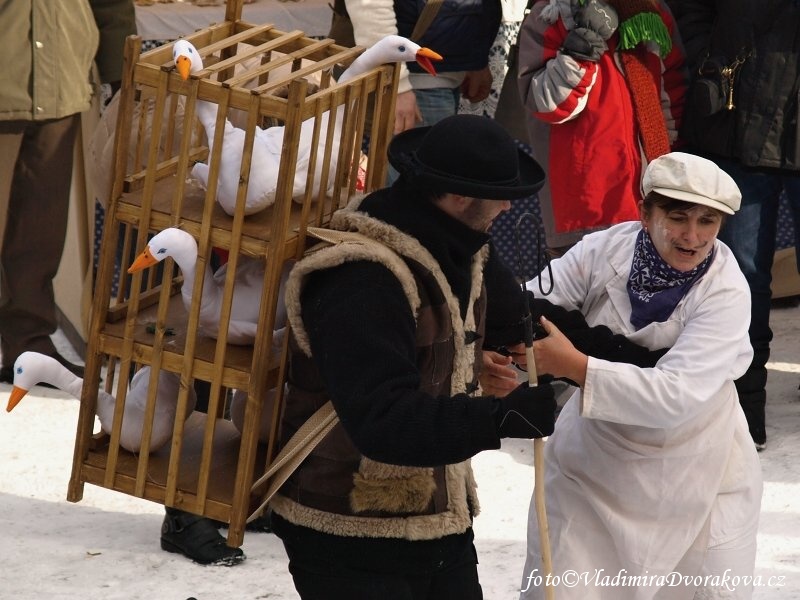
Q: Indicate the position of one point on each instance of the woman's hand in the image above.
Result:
(498, 377)
(556, 356)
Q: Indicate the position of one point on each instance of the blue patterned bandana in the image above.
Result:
(654, 287)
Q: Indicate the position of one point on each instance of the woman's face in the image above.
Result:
(682, 237)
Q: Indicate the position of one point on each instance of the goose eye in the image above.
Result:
(19, 370)
(402, 48)
(162, 251)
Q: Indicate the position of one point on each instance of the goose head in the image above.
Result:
(392, 48)
(173, 242)
(31, 368)
(187, 58)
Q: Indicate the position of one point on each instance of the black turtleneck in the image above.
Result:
(451, 243)
(363, 339)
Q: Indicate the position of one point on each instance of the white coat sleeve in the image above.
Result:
(711, 351)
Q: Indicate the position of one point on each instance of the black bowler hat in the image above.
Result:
(468, 155)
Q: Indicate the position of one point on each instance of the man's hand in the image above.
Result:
(498, 377)
(477, 85)
(406, 112)
(527, 412)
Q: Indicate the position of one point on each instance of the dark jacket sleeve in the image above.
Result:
(598, 341)
(116, 20)
(363, 340)
(505, 304)
(695, 19)
(506, 312)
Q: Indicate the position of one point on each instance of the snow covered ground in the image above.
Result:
(107, 546)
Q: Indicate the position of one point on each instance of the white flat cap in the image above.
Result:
(694, 179)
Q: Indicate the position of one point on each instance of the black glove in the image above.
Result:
(527, 412)
(584, 44)
(599, 17)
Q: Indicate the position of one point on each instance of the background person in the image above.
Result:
(748, 125)
(604, 84)
(45, 84)
(462, 31)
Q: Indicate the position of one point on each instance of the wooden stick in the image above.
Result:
(538, 492)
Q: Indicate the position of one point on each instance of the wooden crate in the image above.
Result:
(260, 77)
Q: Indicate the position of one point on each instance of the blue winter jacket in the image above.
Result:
(462, 32)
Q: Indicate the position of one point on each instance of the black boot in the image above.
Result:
(197, 538)
(753, 398)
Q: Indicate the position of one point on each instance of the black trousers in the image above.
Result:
(327, 567)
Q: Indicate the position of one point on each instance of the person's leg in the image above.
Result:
(791, 184)
(727, 570)
(336, 573)
(454, 582)
(792, 187)
(33, 242)
(329, 567)
(458, 581)
(750, 234)
(436, 104)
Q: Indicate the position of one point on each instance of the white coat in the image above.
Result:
(648, 468)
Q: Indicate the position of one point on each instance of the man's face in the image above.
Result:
(479, 214)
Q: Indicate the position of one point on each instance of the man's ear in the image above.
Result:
(461, 201)
(452, 204)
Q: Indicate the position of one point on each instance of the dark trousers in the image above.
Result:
(36, 228)
(327, 567)
(750, 234)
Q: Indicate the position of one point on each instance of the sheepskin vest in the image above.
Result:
(338, 491)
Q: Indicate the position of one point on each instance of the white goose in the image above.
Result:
(268, 142)
(31, 368)
(238, 405)
(248, 286)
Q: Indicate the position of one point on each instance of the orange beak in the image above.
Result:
(424, 58)
(183, 65)
(144, 260)
(17, 394)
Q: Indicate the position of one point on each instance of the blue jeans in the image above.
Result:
(434, 105)
(750, 234)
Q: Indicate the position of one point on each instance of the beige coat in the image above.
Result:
(647, 468)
